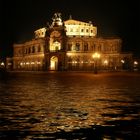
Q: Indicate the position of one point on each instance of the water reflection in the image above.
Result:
(69, 105)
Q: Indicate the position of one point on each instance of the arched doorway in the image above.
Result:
(54, 63)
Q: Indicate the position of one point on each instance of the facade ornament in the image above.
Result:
(57, 20)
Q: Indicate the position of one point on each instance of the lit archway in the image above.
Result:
(56, 46)
(54, 63)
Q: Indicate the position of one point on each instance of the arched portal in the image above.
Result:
(54, 63)
(56, 46)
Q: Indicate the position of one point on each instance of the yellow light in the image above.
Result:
(38, 62)
(2, 64)
(27, 63)
(9, 64)
(21, 63)
(32, 63)
(135, 63)
(106, 62)
(96, 55)
(69, 54)
(123, 61)
(52, 64)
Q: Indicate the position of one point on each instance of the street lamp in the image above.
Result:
(96, 56)
(135, 65)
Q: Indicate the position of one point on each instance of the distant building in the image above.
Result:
(68, 45)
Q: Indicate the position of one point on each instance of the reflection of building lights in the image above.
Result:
(123, 61)
(135, 63)
(96, 57)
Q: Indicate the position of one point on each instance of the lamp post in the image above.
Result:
(135, 65)
(96, 56)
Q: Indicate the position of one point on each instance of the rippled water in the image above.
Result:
(70, 106)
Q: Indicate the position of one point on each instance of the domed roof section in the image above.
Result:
(80, 28)
(76, 22)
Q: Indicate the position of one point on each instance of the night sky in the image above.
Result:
(117, 18)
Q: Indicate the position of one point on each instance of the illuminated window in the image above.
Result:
(55, 46)
(77, 47)
(71, 30)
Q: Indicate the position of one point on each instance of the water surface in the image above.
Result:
(71, 105)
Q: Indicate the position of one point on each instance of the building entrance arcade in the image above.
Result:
(54, 63)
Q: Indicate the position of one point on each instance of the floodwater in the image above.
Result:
(70, 105)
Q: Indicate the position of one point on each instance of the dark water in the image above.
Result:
(37, 106)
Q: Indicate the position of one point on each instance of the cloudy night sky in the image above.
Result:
(117, 18)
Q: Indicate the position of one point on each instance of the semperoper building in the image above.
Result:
(68, 45)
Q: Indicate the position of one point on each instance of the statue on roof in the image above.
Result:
(70, 17)
(57, 15)
(57, 20)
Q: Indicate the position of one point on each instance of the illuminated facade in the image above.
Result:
(68, 45)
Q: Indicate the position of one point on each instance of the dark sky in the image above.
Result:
(119, 18)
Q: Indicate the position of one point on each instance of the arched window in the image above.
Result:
(87, 30)
(29, 50)
(33, 49)
(25, 50)
(82, 30)
(56, 46)
(93, 48)
(77, 47)
(85, 47)
(99, 48)
(69, 47)
(39, 49)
